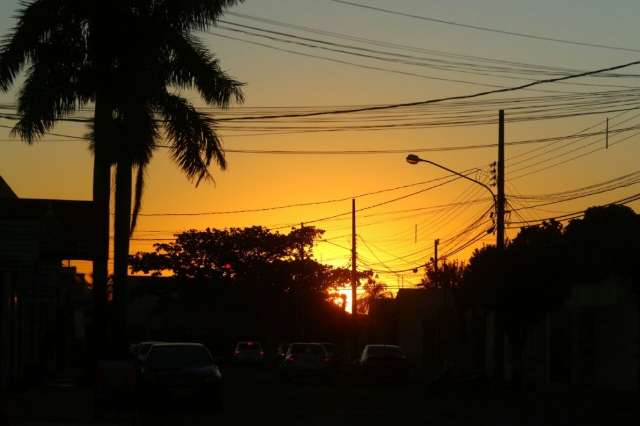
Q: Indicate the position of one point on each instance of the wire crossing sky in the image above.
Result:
(295, 160)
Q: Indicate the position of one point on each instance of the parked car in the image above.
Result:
(384, 362)
(281, 352)
(334, 355)
(248, 353)
(141, 350)
(306, 360)
(180, 372)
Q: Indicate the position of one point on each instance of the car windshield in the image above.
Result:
(248, 346)
(144, 348)
(384, 352)
(330, 348)
(307, 350)
(176, 357)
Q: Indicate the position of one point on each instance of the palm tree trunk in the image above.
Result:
(121, 251)
(101, 196)
(638, 336)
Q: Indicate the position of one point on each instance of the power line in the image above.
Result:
(560, 163)
(633, 176)
(482, 234)
(449, 148)
(574, 215)
(488, 29)
(373, 253)
(536, 68)
(353, 64)
(580, 133)
(580, 137)
(392, 57)
(393, 200)
(436, 100)
(313, 203)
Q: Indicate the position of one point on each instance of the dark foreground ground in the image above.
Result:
(256, 397)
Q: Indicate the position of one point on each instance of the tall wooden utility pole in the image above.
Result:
(436, 242)
(354, 258)
(498, 348)
(501, 198)
(301, 288)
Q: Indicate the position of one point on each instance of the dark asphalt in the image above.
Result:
(256, 397)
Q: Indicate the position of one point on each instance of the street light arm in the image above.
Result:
(485, 186)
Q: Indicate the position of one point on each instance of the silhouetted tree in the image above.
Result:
(449, 275)
(238, 254)
(606, 243)
(373, 291)
(157, 52)
(271, 277)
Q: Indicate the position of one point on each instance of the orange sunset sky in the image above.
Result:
(61, 169)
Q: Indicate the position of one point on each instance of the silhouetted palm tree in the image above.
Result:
(125, 56)
(158, 53)
(59, 41)
(373, 291)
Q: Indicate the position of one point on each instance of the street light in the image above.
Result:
(414, 159)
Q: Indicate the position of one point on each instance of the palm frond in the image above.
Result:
(193, 14)
(56, 84)
(192, 137)
(36, 21)
(192, 65)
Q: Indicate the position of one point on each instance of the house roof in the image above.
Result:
(65, 228)
(419, 299)
(5, 190)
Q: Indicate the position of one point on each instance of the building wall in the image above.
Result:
(606, 347)
(37, 331)
(410, 330)
(434, 332)
(592, 341)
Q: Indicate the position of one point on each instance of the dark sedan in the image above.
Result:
(180, 372)
(305, 360)
(384, 363)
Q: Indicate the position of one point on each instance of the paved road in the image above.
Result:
(256, 397)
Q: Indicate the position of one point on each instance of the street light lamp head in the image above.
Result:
(413, 159)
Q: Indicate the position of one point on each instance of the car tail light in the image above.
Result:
(261, 353)
(291, 358)
(236, 353)
(100, 376)
(326, 359)
(131, 377)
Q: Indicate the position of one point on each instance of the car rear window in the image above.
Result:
(307, 350)
(248, 346)
(384, 351)
(176, 357)
(144, 348)
(330, 348)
